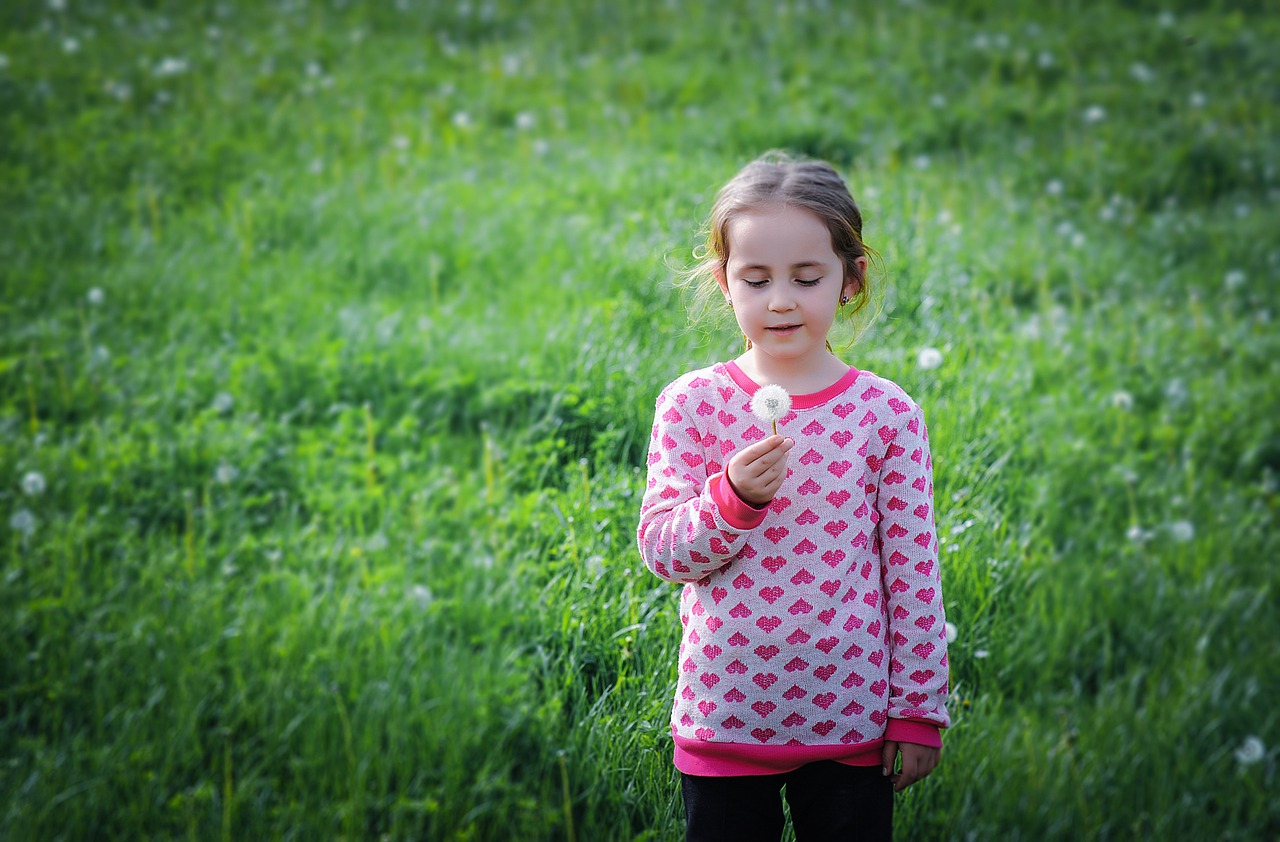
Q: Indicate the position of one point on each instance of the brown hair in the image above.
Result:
(778, 178)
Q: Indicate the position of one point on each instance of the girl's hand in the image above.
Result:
(917, 762)
(756, 472)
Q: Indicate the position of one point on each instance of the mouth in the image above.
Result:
(782, 328)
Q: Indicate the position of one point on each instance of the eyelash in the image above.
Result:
(759, 284)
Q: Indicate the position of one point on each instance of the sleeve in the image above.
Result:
(691, 521)
(918, 677)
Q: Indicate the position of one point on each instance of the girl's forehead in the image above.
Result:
(778, 235)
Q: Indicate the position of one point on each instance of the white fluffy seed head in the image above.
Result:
(771, 403)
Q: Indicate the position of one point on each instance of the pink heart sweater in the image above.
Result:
(813, 628)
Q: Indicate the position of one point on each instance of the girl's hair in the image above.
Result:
(777, 178)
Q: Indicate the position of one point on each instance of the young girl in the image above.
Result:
(813, 651)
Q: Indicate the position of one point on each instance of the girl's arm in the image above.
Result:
(913, 587)
(692, 523)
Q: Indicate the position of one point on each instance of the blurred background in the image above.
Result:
(332, 332)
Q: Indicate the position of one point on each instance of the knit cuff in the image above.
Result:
(912, 731)
(737, 512)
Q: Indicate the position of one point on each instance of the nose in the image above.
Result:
(781, 299)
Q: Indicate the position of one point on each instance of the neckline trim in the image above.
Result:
(808, 401)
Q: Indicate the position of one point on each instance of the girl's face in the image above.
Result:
(784, 281)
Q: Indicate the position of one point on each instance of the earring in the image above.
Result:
(844, 299)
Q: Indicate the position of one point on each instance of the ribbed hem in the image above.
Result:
(718, 760)
(738, 512)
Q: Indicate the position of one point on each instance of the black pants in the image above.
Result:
(828, 800)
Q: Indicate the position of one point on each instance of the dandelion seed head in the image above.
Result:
(462, 120)
(1095, 114)
(421, 594)
(771, 403)
(1141, 72)
(1054, 187)
(400, 142)
(929, 358)
(1250, 751)
(1182, 530)
(1234, 279)
(4, 61)
(33, 484)
(70, 46)
(225, 473)
(23, 522)
(1045, 59)
(96, 296)
(1121, 399)
(57, 5)
(1197, 99)
(952, 633)
(981, 653)
(921, 162)
(170, 66)
(1136, 533)
(525, 121)
(223, 402)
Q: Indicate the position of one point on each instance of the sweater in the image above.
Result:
(813, 627)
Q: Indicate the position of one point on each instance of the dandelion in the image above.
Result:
(313, 69)
(96, 296)
(1182, 530)
(770, 404)
(400, 142)
(952, 634)
(1095, 114)
(929, 358)
(222, 403)
(33, 484)
(921, 162)
(1165, 19)
(23, 522)
(70, 45)
(981, 653)
(524, 121)
(57, 5)
(421, 594)
(1136, 534)
(119, 91)
(1045, 59)
(225, 474)
(1234, 279)
(1250, 751)
(1197, 99)
(1141, 73)
(462, 120)
(1121, 399)
(1054, 187)
(377, 542)
(938, 101)
(171, 67)
(4, 61)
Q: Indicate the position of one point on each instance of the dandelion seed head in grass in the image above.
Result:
(771, 404)
(23, 522)
(33, 484)
(1251, 751)
(952, 633)
(1182, 530)
(929, 358)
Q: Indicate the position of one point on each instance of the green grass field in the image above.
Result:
(330, 338)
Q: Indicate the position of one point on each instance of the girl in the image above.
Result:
(813, 651)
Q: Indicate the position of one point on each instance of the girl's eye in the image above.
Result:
(754, 284)
(807, 282)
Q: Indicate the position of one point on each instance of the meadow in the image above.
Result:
(331, 337)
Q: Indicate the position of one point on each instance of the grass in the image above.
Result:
(333, 332)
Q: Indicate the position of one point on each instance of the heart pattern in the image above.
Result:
(764, 624)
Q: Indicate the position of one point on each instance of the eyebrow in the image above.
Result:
(808, 264)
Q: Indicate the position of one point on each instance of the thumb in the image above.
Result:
(888, 755)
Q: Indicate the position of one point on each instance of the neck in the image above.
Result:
(801, 376)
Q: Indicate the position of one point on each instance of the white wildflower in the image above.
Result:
(421, 594)
(119, 91)
(1142, 73)
(1136, 533)
(1250, 751)
(1182, 530)
(1234, 279)
(952, 634)
(57, 5)
(377, 542)
(23, 522)
(525, 121)
(1165, 19)
(4, 61)
(1077, 240)
(770, 404)
(33, 484)
(1197, 99)
(96, 296)
(1121, 399)
(314, 69)
(1045, 59)
(938, 101)
(222, 403)
(1054, 187)
(981, 653)
(70, 45)
(170, 66)
(400, 142)
(462, 120)
(225, 474)
(1095, 114)
(929, 358)
(921, 162)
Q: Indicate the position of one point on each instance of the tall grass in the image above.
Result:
(331, 333)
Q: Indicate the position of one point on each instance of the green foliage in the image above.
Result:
(329, 339)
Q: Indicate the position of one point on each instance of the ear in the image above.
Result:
(721, 279)
(853, 283)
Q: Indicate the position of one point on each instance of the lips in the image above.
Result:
(783, 328)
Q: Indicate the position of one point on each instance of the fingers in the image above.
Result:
(917, 763)
(888, 757)
(766, 450)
